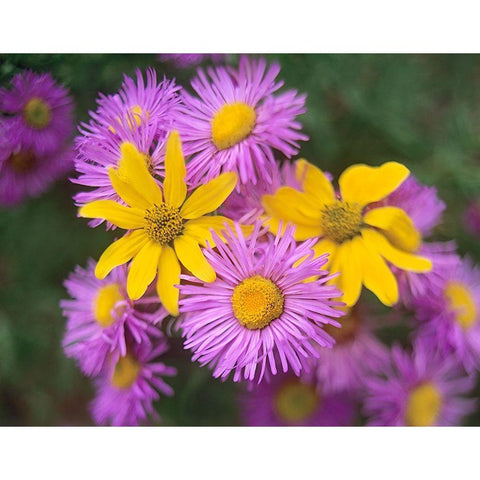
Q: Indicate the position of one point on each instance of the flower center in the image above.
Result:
(423, 405)
(232, 123)
(164, 223)
(126, 372)
(350, 326)
(22, 161)
(256, 301)
(37, 113)
(104, 304)
(295, 402)
(462, 303)
(341, 221)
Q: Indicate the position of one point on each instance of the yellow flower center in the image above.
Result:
(164, 223)
(350, 326)
(256, 301)
(232, 123)
(37, 113)
(423, 405)
(341, 221)
(22, 161)
(104, 304)
(126, 372)
(295, 402)
(461, 301)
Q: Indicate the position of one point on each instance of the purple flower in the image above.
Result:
(259, 316)
(290, 401)
(186, 60)
(449, 316)
(471, 218)
(100, 316)
(127, 390)
(39, 112)
(236, 123)
(422, 388)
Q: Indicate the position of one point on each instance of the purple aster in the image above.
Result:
(291, 401)
(422, 388)
(471, 218)
(186, 60)
(259, 316)
(39, 111)
(236, 123)
(130, 385)
(449, 316)
(100, 315)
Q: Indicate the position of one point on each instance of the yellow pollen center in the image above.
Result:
(295, 402)
(37, 113)
(341, 221)
(104, 308)
(22, 161)
(350, 326)
(423, 406)
(164, 223)
(126, 372)
(256, 301)
(232, 123)
(461, 301)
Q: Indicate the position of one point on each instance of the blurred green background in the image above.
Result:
(422, 110)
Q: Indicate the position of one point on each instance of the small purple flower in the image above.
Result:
(290, 401)
(471, 218)
(259, 316)
(39, 112)
(100, 316)
(421, 388)
(186, 60)
(127, 390)
(236, 123)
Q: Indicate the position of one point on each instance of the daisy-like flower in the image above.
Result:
(358, 238)
(259, 316)
(236, 123)
(186, 60)
(127, 390)
(163, 229)
(290, 401)
(40, 111)
(100, 316)
(419, 389)
(450, 315)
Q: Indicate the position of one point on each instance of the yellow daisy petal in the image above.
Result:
(126, 192)
(174, 186)
(209, 197)
(200, 228)
(192, 258)
(314, 182)
(325, 246)
(120, 252)
(302, 232)
(363, 184)
(403, 260)
(143, 269)
(119, 215)
(168, 277)
(397, 226)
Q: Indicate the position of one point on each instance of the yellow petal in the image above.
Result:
(200, 228)
(325, 246)
(363, 184)
(143, 269)
(133, 169)
(403, 260)
(314, 182)
(119, 215)
(174, 187)
(397, 226)
(120, 252)
(192, 258)
(168, 277)
(302, 232)
(126, 192)
(209, 197)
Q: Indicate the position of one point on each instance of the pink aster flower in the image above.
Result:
(186, 60)
(450, 315)
(39, 111)
(127, 390)
(236, 123)
(291, 401)
(421, 388)
(259, 316)
(100, 316)
(471, 218)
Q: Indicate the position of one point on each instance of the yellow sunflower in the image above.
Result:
(359, 237)
(163, 230)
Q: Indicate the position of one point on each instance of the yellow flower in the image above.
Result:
(358, 239)
(163, 230)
